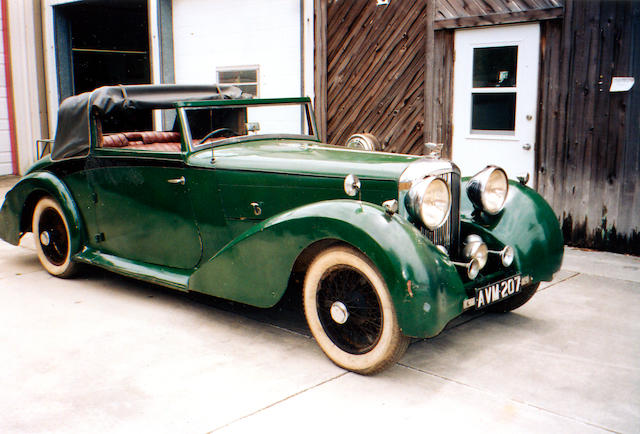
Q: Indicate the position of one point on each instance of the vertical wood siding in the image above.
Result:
(320, 66)
(588, 157)
(375, 72)
(442, 111)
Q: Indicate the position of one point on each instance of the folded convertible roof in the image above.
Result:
(73, 133)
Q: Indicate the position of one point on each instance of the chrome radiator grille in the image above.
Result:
(447, 235)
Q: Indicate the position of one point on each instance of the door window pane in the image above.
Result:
(137, 133)
(495, 66)
(236, 77)
(493, 111)
(246, 78)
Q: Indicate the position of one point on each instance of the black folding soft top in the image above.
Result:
(73, 134)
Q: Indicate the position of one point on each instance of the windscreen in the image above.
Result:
(216, 124)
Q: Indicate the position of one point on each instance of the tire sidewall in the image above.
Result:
(387, 344)
(57, 270)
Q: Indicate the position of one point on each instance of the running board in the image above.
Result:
(170, 277)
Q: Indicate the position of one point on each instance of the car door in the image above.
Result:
(143, 211)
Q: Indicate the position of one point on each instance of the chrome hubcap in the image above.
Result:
(349, 310)
(45, 239)
(339, 312)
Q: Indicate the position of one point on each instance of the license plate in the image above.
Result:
(498, 291)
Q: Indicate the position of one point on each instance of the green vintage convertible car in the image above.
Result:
(199, 188)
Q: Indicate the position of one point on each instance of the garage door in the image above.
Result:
(252, 43)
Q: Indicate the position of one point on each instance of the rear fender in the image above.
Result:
(255, 267)
(17, 209)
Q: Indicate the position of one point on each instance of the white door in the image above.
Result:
(495, 92)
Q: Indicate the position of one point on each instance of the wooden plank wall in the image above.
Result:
(320, 66)
(441, 116)
(375, 72)
(475, 13)
(588, 155)
(455, 9)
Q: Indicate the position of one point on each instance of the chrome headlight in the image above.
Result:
(429, 201)
(488, 189)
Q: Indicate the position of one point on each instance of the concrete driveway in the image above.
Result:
(103, 353)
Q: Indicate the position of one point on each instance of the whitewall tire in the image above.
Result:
(52, 238)
(350, 312)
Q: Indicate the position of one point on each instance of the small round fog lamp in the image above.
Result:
(475, 248)
(473, 269)
(506, 255)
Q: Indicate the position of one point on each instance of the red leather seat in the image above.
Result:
(159, 147)
(160, 137)
(160, 141)
(118, 140)
(134, 136)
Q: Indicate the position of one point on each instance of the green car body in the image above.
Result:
(238, 220)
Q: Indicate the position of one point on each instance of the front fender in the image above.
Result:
(19, 202)
(255, 267)
(527, 223)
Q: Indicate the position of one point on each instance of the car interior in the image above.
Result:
(206, 125)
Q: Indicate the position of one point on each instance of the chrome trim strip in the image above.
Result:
(424, 167)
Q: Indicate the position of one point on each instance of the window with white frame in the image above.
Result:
(246, 78)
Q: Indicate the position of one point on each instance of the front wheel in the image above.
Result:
(517, 300)
(53, 242)
(350, 312)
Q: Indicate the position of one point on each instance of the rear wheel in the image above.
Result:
(517, 300)
(53, 242)
(350, 312)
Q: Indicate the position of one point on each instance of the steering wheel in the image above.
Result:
(224, 132)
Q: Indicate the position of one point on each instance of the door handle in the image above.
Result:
(257, 209)
(180, 180)
(526, 146)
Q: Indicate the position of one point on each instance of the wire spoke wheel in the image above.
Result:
(362, 325)
(53, 242)
(350, 311)
(53, 236)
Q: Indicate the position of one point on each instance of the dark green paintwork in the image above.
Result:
(279, 192)
(14, 223)
(303, 157)
(267, 252)
(165, 276)
(144, 217)
(205, 235)
(527, 223)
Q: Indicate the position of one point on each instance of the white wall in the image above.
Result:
(209, 34)
(27, 84)
(6, 167)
